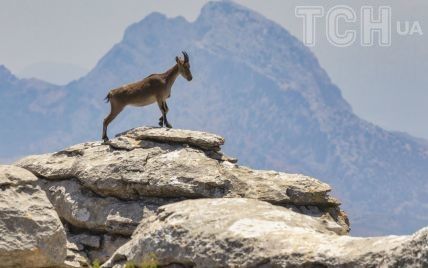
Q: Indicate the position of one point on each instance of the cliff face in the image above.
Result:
(173, 194)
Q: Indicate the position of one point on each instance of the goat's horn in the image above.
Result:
(186, 57)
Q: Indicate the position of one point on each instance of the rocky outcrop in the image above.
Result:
(31, 233)
(173, 193)
(102, 191)
(250, 233)
(149, 167)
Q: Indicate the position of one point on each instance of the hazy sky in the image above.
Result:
(387, 86)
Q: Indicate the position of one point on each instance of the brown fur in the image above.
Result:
(154, 88)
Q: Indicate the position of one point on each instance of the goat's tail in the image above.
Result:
(108, 97)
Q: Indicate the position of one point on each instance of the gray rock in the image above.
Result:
(81, 208)
(76, 258)
(11, 176)
(135, 184)
(86, 240)
(277, 187)
(203, 140)
(250, 233)
(171, 164)
(31, 233)
(110, 243)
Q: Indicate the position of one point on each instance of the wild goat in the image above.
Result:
(154, 88)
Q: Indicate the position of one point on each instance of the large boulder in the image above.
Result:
(31, 233)
(251, 233)
(148, 167)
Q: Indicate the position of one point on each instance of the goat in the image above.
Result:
(154, 88)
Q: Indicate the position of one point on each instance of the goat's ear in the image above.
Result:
(177, 59)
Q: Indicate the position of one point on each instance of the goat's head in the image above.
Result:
(184, 66)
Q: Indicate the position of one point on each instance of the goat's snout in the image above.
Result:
(189, 78)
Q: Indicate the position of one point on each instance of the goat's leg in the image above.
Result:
(164, 109)
(167, 124)
(161, 121)
(115, 110)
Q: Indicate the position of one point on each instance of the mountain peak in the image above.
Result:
(152, 28)
(155, 16)
(227, 9)
(223, 6)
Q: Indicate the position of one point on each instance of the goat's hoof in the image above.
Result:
(160, 124)
(168, 125)
(105, 139)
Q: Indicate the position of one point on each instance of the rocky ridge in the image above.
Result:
(174, 194)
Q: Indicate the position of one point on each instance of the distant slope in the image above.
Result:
(265, 92)
(31, 114)
(54, 72)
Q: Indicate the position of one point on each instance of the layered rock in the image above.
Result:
(149, 167)
(31, 233)
(102, 191)
(251, 233)
(173, 196)
(83, 209)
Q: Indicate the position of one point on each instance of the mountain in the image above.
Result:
(256, 85)
(31, 112)
(54, 72)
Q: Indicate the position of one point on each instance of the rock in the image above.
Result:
(136, 183)
(202, 140)
(110, 243)
(249, 233)
(277, 187)
(11, 176)
(86, 240)
(173, 164)
(76, 244)
(81, 208)
(75, 257)
(31, 233)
